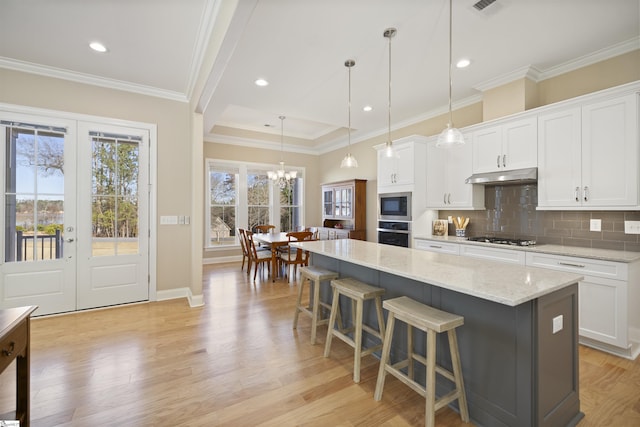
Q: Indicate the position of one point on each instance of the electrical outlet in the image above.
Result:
(595, 225)
(632, 227)
(557, 324)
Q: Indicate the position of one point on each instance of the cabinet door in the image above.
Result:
(603, 310)
(327, 202)
(386, 169)
(436, 176)
(404, 164)
(487, 150)
(610, 153)
(459, 166)
(520, 144)
(559, 154)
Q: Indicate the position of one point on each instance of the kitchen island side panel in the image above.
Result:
(498, 347)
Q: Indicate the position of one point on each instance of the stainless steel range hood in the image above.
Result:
(517, 176)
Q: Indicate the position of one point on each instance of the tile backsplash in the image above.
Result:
(511, 212)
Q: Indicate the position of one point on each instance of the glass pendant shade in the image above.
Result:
(349, 162)
(450, 137)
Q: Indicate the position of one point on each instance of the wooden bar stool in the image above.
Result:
(358, 292)
(315, 275)
(431, 321)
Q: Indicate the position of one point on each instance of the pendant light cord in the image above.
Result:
(450, 60)
(389, 127)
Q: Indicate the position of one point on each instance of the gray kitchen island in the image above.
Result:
(519, 342)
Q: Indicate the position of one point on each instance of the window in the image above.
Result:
(241, 195)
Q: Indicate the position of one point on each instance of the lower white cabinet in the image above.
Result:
(603, 295)
(511, 256)
(437, 246)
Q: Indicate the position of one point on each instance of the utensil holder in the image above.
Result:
(461, 232)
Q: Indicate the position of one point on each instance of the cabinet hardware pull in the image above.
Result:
(504, 160)
(586, 193)
(575, 193)
(444, 198)
(570, 264)
(498, 161)
(9, 352)
(435, 246)
(449, 198)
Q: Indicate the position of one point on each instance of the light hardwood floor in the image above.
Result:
(237, 362)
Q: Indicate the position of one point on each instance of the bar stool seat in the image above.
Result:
(431, 321)
(315, 275)
(358, 292)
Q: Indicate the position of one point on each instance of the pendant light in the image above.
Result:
(388, 151)
(349, 161)
(450, 136)
(280, 176)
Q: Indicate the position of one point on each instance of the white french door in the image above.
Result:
(74, 212)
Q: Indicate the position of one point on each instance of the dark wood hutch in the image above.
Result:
(344, 210)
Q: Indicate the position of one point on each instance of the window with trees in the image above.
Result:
(241, 195)
(34, 193)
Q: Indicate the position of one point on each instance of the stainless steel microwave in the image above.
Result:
(394, 206)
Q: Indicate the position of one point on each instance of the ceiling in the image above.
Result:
(157, 47)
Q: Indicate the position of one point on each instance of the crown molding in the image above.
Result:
(258, 143)
(58, 73)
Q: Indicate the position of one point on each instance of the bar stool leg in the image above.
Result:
(358, 341)
(299, 301)
(316, 307)
(332, 321)
(410, 351)
(380, 317)
(384, 357)
(430, 414)
(457, 373)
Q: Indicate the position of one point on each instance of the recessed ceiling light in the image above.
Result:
(98, 47)
(367, 108)
(261, 82)
(463, 63)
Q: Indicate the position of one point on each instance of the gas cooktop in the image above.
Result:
(503, 241)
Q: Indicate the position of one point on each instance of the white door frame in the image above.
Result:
(153, 151)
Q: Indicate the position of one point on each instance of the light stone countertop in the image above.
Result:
(592, 253)
(494, 281)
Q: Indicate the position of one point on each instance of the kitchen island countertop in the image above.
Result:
(498, 282)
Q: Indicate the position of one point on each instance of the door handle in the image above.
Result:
(70, 239)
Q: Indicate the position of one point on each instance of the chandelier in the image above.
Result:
(280, 176)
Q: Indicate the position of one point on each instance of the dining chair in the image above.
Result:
(294, 256)
(257, 256)
(245, 251)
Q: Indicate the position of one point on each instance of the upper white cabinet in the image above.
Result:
(447, 169)
(506, 146)
(405, 168)
(588, 156)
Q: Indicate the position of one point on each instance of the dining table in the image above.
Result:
(275, 240)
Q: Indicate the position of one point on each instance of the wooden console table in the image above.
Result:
(15, 329)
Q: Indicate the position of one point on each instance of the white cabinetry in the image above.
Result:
(511, 256)
(404, 171)
(506, 146)
(603, 295)
(437, 246)
(447, 169)
(588, 156)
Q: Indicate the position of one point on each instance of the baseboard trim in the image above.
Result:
(630, 353)
(194, 300)
(221, 259)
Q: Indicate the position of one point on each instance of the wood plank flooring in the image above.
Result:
(238, 362)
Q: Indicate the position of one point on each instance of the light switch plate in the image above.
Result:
(632, 227)
(595, 225)
(557, 324)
